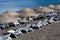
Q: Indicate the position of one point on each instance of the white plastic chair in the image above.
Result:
(51, 20)
(39, 24)
(45, 22)
(15, 32)
(23, 20)
(30, 19)
(16, 23)
(27, 28)
(5, 37)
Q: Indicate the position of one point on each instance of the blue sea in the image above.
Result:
(19, 4)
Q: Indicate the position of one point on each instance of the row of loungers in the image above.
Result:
(19, 22)
(13, 24)
(29, 27)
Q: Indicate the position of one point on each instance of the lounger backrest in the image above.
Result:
(24, 20)
(16, 23)
(21, 28)
(28, 26)
(7, 36)
(45, 20)
(51, 18)
(40, 22)
(30, 18)
(16, 32)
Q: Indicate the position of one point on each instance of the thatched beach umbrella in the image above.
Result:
(39, 8)
(45, 10)
(27, 12)
(51, 6)
(6, 19)
(11, 13)
(57, 9)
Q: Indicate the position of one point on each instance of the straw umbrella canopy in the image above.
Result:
(39, 8)
(11, 13)
(57, 9)
(46, 9)
(51, 6)
(27, 12)
(7, 19)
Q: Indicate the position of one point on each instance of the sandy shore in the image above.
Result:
(50, 32)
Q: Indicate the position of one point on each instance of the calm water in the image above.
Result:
(19, 4)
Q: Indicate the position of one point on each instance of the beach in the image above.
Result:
(50, 32)
(38, 18)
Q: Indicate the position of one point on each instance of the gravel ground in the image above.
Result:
(50, 32)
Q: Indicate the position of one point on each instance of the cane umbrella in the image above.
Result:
(51, 6)
(57, 9)
(45, 10)
(27, 12)
(39, 8)
(11, 13)
(4, 18)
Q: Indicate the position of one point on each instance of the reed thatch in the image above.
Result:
(57, 7)
(6, 19)
(46, 9)
(27, 12)
(51, 6)
(11, 13)
(39, 8)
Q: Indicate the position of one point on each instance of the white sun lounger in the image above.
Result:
(38, 25)
(51, 20)
(30, 19)
(5, 37)
(27, 28)
(16, 23)
(45, 22)
(3, 26)
(23, 20)
(15, 32)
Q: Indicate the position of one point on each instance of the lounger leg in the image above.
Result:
(39, 27)
(10, 38)
(32, 30)
(27, 31)
(43, 26)
(22, 33)
(15, 36)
